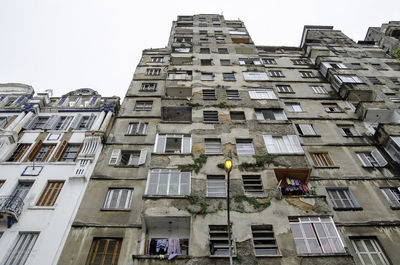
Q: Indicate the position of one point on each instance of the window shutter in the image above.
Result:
(307, 129)
(160, 143)
(142, 158)
(279, 115)
(259, 116)
(379, 158)
(390, 196)
(138, 127)
(91, 120)
(52, 122)
(3, 122)
(30, 123)
(115, 157)
(35, 150)
(66, 122)
(60, 151)
(269, 143)
(364, 160)
(77, 121)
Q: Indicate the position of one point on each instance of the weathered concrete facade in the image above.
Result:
(313, 133)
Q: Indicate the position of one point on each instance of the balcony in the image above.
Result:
(11, 205)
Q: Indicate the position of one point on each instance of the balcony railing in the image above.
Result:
(11, 205)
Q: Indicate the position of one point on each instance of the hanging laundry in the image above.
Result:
(161, 246)
(173, 246)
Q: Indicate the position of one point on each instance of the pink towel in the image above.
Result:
(173, 246)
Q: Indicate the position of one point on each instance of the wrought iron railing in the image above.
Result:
(11, 205)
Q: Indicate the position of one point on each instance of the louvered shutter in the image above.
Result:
(3, 122)
(307, 129)
(160, 143)
(60, 151)
(66, 122)
(115, 157)
(77, 121)
(142, 158)
(52, 122)
(35, 150)
(91, 120)
(187, 146)
(295, 144)
(364, 160)
(379, 158)
(269, 143)
(394, 202)
(31, 122)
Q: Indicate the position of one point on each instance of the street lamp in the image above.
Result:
(228, 167)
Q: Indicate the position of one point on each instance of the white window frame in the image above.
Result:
(372, 159)
(305, 129)
(217, 182)
(378, 251)
(116, 155)
(284, 89)
(155, 176)
(143, 105)
(255, 76)
(392, 194)
(118, 193)
(212, 146)
(351, 128)
(283, 144)
(137, 128)
(349, 79)
(261, 93)
(153, 71)
(161, 142)
(276, 73)
(268, 60)
(245, 147)
(207, 77)
(232, 94)
(279, 115)
(307, 74)
(148, 87)
(310, 229)
(22, 248)
(293, 107)
(317, 89)
(392, 147)
(157, 59)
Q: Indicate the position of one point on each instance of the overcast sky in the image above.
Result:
(66, 45)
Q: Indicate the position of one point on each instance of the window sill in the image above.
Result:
(348, 209)
(273, 121)
(239, 122)
(353, 136)
(215, 154)
(165, 196)
(233, 98)
(269, 256)
(51, 208)
(114, 210)
(328, 167)
(221, 256)
(169, 154)
(395, 207)
(321, 255)
(159, 257)
(310, 135)
(182, 122)
(134, 134)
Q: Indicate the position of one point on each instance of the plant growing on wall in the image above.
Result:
(260, 163)
(396, 53)
(196, 166)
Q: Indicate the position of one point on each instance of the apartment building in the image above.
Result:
(48, 149)
(313, 133)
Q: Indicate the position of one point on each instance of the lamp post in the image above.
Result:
(228, 167)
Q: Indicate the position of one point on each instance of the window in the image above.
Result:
(377, 66)
(276, 73)
(225, 62)
(374, 80)
(50, 193)
(270, 114)
(229, 77)
(104, 251)
(285, 144)
(203, 40)
(369, 251)
(157, 59)
(300, 61)
(307, 74)
(82, 122)
(118, 198)
(63, 122)
(392, 194)
(207, 77)
(179, 75)
(176, 114)
(394, 98)
(2, 182)
(220, 40)
(284, 89)
(205, 50)
(206, 62)
(264, 240)
(148, 87)
(203, 32)
(305, 129)
(232, 94)
(319, 89)
(393, 148)
(216, 186)
(395, 80)
(245, 147)
(261, 93)
(237, 116)
(356, 66)
(331, 107)
(181, 49)
(222, 50)
(209, 94)
(137, 128)
(342, 198)
(372, 159)
(249, 61)
(255, 76)
(21, 249)
(41, 152)
(153, 71)
(178, 246)
(173, 143)
(127, 157)
(143, 105)
(268, 61)
(3, 120)
(293, 107)
(219, 240)
(68, 152)
(348, 130)
(168, 182)
(218, 32)
(210, 116)
(19, 152)
(203, 25)
(39, 123)
(315, 235)
(213, 146)
(252, 185)
(182, 39)
(349, 78)
(321, 159)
